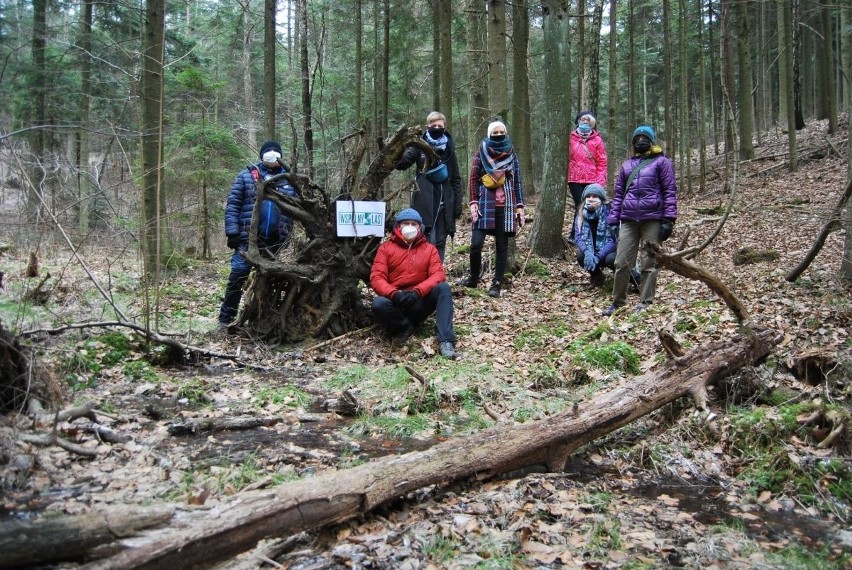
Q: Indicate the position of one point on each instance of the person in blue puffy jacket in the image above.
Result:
(643, 208)
(273, 229)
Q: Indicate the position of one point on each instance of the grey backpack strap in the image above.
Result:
(636, 170)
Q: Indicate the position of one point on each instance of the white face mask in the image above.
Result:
(593, 202)
(270, 157)
(409, 232)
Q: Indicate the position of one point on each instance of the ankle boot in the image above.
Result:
(494, 290)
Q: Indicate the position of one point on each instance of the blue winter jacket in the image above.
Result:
(652, 194)
(274, 227)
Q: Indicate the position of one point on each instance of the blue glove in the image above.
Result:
(613, 230)
(405, 299)
(590, 262)
(666, 227)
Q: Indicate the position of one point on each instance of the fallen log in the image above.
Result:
(191, 427)
(51, 539)
(338, 496)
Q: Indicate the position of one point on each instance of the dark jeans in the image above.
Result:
(396, 319)
(437, 234)
(240, 269)
(501, 244)
(576, 189)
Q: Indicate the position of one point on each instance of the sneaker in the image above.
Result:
(640, 307)
(611, 309)
(494, 290)
(469, 282)
(448, 350)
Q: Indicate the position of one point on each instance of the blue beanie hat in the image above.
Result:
(594, 190)
(644, 130)
(408, 214)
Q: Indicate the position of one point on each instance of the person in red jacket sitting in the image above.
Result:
(409, 280)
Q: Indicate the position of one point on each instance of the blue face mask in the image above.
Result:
(584, 129)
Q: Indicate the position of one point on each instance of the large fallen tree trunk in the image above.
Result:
(338, 496)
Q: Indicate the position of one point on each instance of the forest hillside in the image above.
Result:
(762, 479)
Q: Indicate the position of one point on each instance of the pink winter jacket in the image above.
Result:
(588, 159)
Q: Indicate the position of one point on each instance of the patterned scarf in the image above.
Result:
(439, 144)
(496, 156)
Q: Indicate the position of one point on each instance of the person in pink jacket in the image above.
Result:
(586, 157)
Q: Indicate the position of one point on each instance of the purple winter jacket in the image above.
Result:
(652, 194)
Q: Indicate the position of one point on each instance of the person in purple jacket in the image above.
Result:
(643, 208)
(595, 242)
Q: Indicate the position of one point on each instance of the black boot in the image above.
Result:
(494, 290)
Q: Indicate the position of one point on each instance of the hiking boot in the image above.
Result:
(470, 282)
(641, 307)
(448, 350)
(611, 309)
(597, 279)
(494, 290)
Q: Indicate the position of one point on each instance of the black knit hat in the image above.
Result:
(270, 145)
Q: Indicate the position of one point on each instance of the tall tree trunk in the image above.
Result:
(247, 83)
(701, 105)
(497, 93)
(668, 91)
(546, 236)
(385, 90)
(613, 91)
(784, 77)
(155, 242)
(522, 128)
(436, 54)
(846, 50)
(684, 139)
(85, 175)
(594, 68)
(39, 107)
(270, 12)
(447, 84)
(788, 59)
(715, 96)
(729, 101)
(307, 107)
(745, 85)
(829, 96)
(359, 60)
(582, 101)
(478, 89)
(796, 45)
(631, 71)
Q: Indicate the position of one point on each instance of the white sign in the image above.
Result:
(360, 219)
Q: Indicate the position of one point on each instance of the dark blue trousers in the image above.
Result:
(396, 319)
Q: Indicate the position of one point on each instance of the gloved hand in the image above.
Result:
(474, 213)
(613, 230)
(590, 262)
(233, 242)
(666, 227)
(405, 298)
(522, 217)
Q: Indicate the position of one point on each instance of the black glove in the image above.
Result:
(666, 227)
(406, 298)
(613, 229)
(234, 242)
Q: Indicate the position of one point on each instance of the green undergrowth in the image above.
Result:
(776, 447)
(84, 364)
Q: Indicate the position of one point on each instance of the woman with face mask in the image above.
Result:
(595, 242)
(644, 208)
(410, 284)
(496, 203)
(587, 161)
(438, 197)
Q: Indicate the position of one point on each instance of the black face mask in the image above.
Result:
(498, 138)
(436, 132)
(642, 145)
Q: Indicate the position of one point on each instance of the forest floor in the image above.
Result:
(754, 484)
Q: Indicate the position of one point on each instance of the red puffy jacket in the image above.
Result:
(399, 265)
(588, 159)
